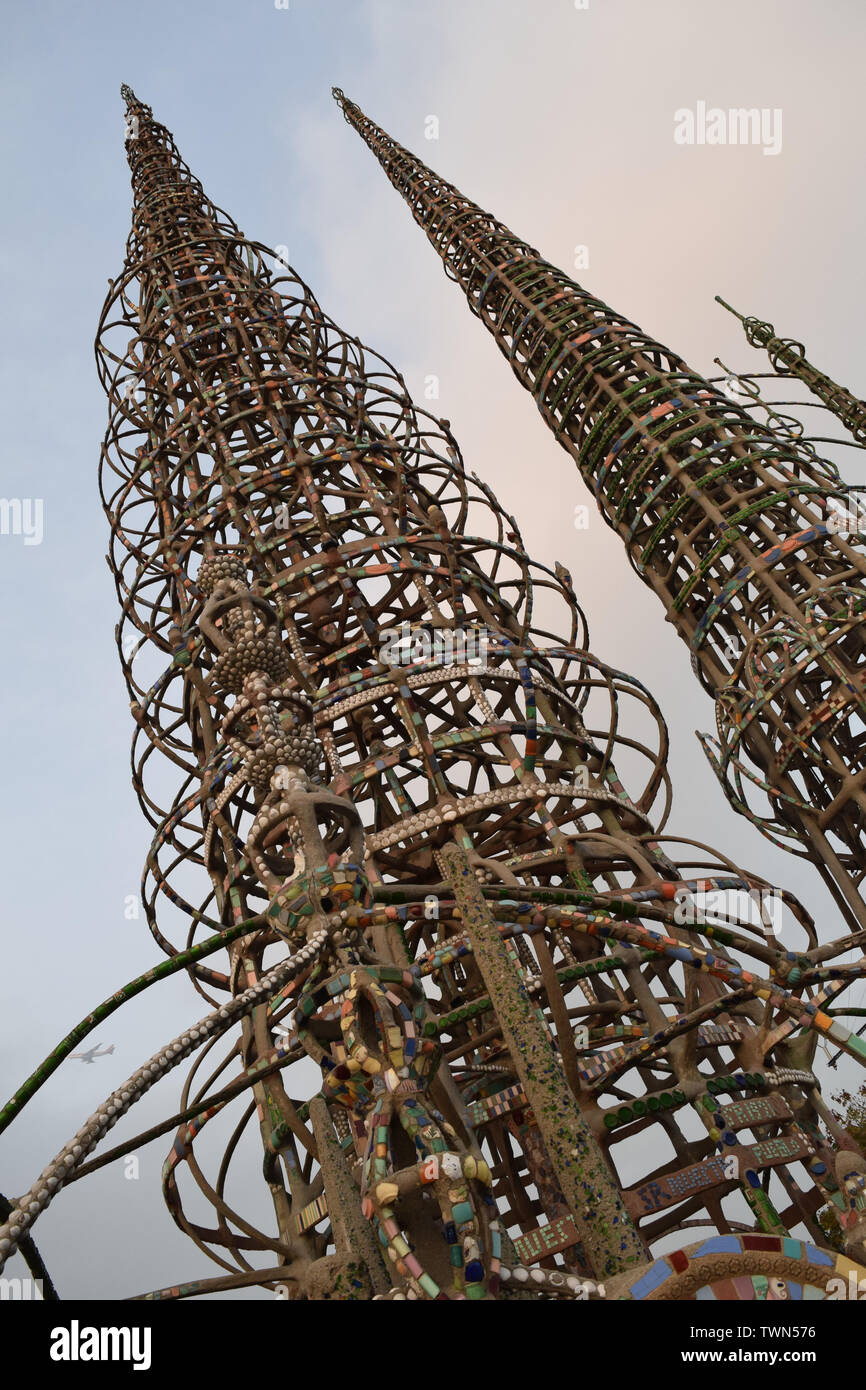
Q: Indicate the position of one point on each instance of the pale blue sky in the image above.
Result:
(561, 122)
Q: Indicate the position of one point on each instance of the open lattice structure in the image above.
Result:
(500, 1031)
(723, 516)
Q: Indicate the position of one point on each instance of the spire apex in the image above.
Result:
(671, 461)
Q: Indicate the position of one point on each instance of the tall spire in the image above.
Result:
(724, 520)
(396, 805)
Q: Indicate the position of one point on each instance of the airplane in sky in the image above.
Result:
(92, 1053)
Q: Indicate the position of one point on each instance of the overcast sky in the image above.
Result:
(561, 122)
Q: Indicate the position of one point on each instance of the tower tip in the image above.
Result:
(338, 95)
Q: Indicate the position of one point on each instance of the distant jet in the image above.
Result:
(92, 1053)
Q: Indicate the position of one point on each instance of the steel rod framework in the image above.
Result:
(788, 356)
(724, 518)
(380, 763)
